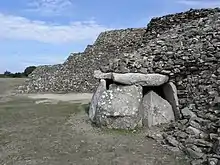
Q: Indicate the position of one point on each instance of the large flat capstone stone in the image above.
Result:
(98, 74)
(119, 107)
(95, 98)
(140, 79)
(156, 110)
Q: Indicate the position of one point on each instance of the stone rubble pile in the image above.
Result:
(188, 51)
(41, 79)
(128, 101)
(76, 73)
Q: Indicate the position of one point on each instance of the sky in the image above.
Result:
(40, 32)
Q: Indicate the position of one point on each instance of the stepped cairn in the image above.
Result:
(185, 47)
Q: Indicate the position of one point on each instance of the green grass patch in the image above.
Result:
(23, 110)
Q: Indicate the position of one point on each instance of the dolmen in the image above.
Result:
(132, 100)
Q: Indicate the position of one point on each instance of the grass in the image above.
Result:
(23, 109)
(9, 83)
(28, 128)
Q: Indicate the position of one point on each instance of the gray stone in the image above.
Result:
(173, 149)
(213, 136)
(182, 135)
(212, 161)
(202, 143)
(195, 124)
(100, 75)
(197, 162)
(156, 110)
(140, 79)
(216, 147)
(155, 134)
(170, 93)
(193, 152)
(118, 107)
(217, 100)
(172, 141)
(187, 113)
(93, 105)
(193, 131)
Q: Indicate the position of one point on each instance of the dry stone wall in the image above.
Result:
(76, 73)
(186, 47)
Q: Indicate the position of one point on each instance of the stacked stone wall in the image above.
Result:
(189, 53)
(76, 73)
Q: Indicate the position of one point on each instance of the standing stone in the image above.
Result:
(101, 88)
(140, 79)
(170, 93)
(118, 107)
(156, 110)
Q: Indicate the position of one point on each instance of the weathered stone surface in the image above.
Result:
(118, 107)
(212, 161)
(172, 141)
(170, 93)
(193, 131)
(202, 143)
(187, 113)
(217, 100)
(140, 79)
(194, 152)
(213, 136)
(100, 75)
(197, 162)
(156, 110)
(216, 147)
(93, 105)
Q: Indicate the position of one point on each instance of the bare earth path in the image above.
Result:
(55, 130)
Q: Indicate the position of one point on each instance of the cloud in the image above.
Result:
(20, 28)
(200, 3)
(51, 7)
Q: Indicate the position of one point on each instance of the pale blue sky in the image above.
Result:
(35, 32)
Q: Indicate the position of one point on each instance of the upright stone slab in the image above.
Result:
(119, 107)
(156, 110)
(101, 88)
(170, 92)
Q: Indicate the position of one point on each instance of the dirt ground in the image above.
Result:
(55, 130)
